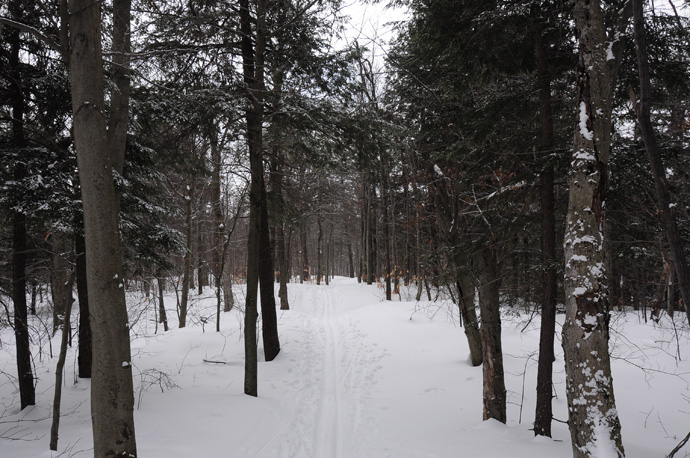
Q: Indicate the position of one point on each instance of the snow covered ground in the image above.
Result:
(357, 377)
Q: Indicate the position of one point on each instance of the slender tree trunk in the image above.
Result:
(269, 320)
(492, 369)
(85, 353)
(253, 68)
(544, 410)
(468, 312)
(305, 257)
(318, 251)
(351, 264)
(593, 419)
(187, 262)
(61, 277)
(162, 315)
(21, 325)
(667, 208)
(386, 241)
(98, 152)
(60, 367)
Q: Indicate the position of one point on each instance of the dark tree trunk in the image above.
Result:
(318, 251)
(99, 151)
(305, 257)
(85, 354)
(253, 69)
(351, 264)
(468, 312)
(386, 241)
(57, 398)
(269, 319)
(544, 411)
(667, 208)
(187, 272)
(61, 277)
(25, 376)
(492, 369)
(162, 315)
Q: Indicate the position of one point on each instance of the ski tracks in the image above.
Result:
(334, 379)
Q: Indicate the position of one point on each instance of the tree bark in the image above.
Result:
(112, 398)
(318, 250)
(27, 393)
(61, 277)
(666, 207)
(57, 398)
(162, 315)
(593, 418)
(269, 320)
(187, 262)
(492, 368)
(253, 69)
(305, 257)
(544, 409)
(85, 353)
(468, 312)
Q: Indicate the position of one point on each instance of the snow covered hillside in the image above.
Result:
(357, 377)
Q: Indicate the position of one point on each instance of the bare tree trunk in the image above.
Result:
(85, 353)
(386, 241)
(57, 398)
(589, 386)
(305, 257)
(21, 326)
(544, 409)
(61, 277)
(489, 306)
(468, 312)
(318, 251)
(269, 320)
(351, 264)
(162, 315)
(187, 266)
(667, 208)
(253, 68)
(98, 152)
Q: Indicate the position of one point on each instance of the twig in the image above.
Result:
(680, 445)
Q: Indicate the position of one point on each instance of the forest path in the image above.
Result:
(330, 382)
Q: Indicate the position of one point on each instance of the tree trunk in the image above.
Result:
(593, 419)
(57, 398)
(61, 277)
(318, 251)
(253, 69)
(269, 320)
(21, 327)
(187, 262)
(162, 314)
(489, 306)
(85, 353)
(468, 312)
(544, 410)
(667, 208)
(98, 152)
(305, 257)
(386, 241)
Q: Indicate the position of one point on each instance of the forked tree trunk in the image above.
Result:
(99, 151)
(594, 423)
(468, 312)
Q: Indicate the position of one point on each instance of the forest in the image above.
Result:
(186, 169)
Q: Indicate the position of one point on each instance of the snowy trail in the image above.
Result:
(329, 421)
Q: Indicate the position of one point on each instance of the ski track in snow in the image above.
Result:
(332, 381)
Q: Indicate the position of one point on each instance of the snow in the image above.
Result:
(584, 117)
(356, 377)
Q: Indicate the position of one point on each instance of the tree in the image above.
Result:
(100, 149)
(594, 423)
